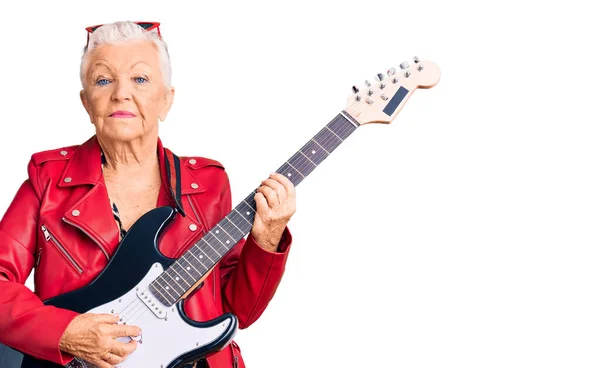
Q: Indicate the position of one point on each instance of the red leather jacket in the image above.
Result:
(66, 196)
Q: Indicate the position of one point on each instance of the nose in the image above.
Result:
(122, 90)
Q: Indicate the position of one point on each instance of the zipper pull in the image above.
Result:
(235, 361)
(39, 257)
(46, 232)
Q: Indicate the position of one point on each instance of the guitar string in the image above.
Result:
(133, 316)
(136, 306)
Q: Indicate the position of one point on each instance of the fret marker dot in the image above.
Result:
(201, 256)
(177, 278)
(188, 268)
(313, 152)
(227, 241)
(248, 213)
(167, 288)
(217, 231)
(289, 174)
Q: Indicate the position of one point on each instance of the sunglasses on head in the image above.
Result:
(148, 26)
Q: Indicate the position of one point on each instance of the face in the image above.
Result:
(124, 93)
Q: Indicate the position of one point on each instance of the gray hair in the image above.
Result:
(121, 32)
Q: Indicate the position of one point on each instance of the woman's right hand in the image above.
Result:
(93, 338)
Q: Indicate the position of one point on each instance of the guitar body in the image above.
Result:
(170, 339)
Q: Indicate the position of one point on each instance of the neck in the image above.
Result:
(136, 156)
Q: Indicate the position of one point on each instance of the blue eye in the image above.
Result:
(140, 80)
(102, 82)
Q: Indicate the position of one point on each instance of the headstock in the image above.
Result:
(381, 100)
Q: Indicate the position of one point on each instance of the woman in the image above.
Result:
(68, 217)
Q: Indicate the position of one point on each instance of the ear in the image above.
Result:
(166, 104)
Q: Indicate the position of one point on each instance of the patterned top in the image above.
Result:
(113, 205)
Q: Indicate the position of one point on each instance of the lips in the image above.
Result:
(122, 114)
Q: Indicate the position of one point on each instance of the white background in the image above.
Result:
(464, 234)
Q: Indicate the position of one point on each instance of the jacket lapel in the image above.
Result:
(92, 213)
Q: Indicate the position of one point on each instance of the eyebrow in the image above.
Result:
(102, 63)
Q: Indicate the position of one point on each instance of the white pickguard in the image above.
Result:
(163, 339)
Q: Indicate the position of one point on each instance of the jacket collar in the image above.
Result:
(85, 168)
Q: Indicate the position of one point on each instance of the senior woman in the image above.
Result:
(78, 202)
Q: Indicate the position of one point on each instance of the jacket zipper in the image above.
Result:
(39, 257)
(91, 237)
(234, 345)
(62, 249)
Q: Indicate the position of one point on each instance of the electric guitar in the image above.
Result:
(147, 289)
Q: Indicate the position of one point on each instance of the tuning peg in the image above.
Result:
(404, 65)
(379, 77)
(355, 89)
(416, 60)
(368, 84)
(391, 71)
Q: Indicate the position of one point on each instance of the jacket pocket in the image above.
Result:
(61, 249)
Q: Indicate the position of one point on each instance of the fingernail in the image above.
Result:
(273, 174)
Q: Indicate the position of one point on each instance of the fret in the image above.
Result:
(165, 286)
(250, 201)
(209, 248)
(328, 140)
(206, 251)
(241, 223)
(341, 127)
(181, 274)
(233, 233)
(332, 132)
(308, 158)
(193, 260)
(179, 277)
(216, 241)
(185, 272)
(156, 291)
(237, 231)
(198, 258)
(247, 216)
(323, 148)
(315, 152)
(173, 283)
(190, 268)
(295, 168)
(287, 171)
(302, 164)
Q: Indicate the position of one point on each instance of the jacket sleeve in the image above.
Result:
(250, 274)
(26, 324)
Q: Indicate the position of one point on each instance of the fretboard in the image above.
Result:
(186, 271)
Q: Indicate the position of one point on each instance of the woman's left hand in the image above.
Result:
(275, 205)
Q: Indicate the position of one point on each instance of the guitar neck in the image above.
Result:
(185, 273)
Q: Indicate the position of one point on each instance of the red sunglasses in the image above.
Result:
(148, 26)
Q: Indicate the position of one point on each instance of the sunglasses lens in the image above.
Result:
(145, 25)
